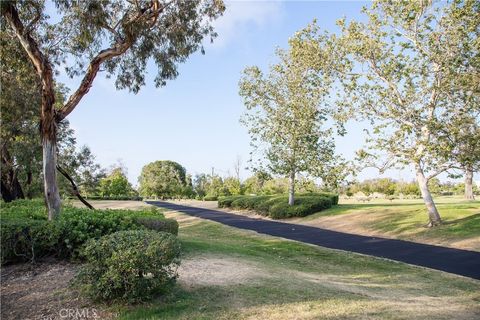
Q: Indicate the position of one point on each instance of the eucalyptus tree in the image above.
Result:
(400, 75)
(120, 37)
(21, 150)
(287, 110)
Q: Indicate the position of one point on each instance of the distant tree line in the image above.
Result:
(391, 187)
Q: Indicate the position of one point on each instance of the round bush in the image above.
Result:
(130, 265)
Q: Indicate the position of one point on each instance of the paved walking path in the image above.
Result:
(461, 262)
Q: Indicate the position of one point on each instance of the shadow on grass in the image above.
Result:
(468, 226)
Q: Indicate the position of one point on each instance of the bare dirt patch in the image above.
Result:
(43, 291)
(208, 270)
(113, 204)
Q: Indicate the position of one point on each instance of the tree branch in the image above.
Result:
(87, 81)
(74, 188)
(117, 49)
(440, 170)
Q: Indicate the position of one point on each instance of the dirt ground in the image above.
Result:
(113, 204)
(210, 270)
(43, 292)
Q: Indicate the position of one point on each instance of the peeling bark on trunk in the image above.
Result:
(52, 196)
(469, 184)
(433, 215)
(291, 189)
(48, 118)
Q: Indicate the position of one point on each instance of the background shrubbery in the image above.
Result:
(26, 234)
(276, 206)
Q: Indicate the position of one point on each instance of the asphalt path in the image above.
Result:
(461, 262)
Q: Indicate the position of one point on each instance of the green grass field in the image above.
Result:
(235, 274)
(405, 219)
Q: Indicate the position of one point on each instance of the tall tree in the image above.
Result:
(461, 145)
(287, 110)
(399, 77)
(116, 184)
(130, 33)
(165, 179)
(21, 150)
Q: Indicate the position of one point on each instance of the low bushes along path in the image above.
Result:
(461, 262)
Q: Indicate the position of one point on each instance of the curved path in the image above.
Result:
(461, 262)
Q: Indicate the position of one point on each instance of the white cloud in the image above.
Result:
(239, 15)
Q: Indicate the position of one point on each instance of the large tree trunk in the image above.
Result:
(52, 195)
(291, 189)
(469, 184)
(48, 118)
(433, 214)
(48, 130)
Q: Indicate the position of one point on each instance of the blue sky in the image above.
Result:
(194, 120)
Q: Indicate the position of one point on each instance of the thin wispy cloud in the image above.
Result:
(240, 16)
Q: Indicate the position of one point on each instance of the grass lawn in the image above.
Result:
(405, 219)
(229, 273)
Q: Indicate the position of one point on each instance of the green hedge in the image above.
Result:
(27, 240)
(26, 234)
(210, 198)
(129, 265)
(276, 206)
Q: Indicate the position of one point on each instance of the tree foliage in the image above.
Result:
(115, 184)
(287, 109)
(120, 37)
(164, 179)
(399, 70)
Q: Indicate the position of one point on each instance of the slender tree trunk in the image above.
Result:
(291, 189)
(433, 214)
(469, 184)
(28, 184)
(16, 186)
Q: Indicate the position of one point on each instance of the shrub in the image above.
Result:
(277, 206)
(225, 202)
(28, 240)
(26, 234)
(24, 209)
(80, 225)
(129, 265)
(159, 224)
(210, 198)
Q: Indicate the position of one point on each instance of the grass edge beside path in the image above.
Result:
(295, 280)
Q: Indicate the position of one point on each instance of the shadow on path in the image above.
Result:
(461, 262)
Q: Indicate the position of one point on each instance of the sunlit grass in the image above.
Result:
(307, 282)
(407, 219)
